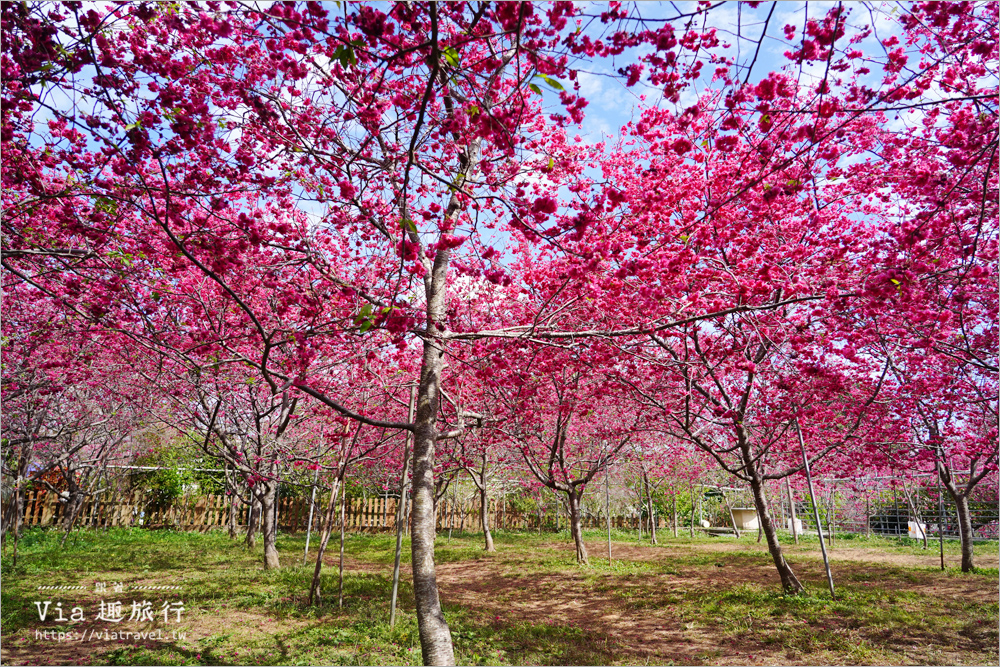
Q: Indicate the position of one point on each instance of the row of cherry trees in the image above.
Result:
(266, 226)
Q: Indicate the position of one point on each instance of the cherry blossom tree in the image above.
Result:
(296, 192)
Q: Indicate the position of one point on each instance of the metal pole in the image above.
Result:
(399, 511)
(791, 505)
(812, 496)
(831, 516)
(868, 512)
(607, 507)
(343, 510)
(691, 489)
(312, 507)
(940, 513)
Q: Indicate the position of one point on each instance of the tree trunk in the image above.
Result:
(575, 526)
(13, 518)
(964, 528)
(673, 497)
(435, 636)
(791, 510)
(484, 517)
(73, 504)
(253, 517)
(789, 582)
(331, 510)
(269, 525)
(911, 501)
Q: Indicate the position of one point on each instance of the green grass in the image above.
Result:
(237, 613)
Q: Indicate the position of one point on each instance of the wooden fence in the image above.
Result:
(201, 513)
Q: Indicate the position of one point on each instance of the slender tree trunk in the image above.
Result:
(502, 525)
(252, 520)
(18, 518)
(269, 525)
(331, 510)
(789, 582)
(732, 519)
(673, 499)
(484, 517)
(911, 501)
(451, 516)
(791, 511)
(312, 510)
(964, 526)
(74, 505)
(575, 526)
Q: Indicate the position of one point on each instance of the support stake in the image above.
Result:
(399, 511)
(812, 496)
(607, 506)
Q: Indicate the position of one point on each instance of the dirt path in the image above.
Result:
(656, 634)
(637, 628)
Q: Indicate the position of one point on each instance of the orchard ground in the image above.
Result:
(713, 601)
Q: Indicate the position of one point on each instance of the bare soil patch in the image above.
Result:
(641, 618)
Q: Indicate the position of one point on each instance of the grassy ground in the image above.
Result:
(688, 601)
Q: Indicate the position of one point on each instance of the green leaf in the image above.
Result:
(552, 82)
(552, 162)
(473, 110)
(451, 55)
(364, 315)
(893, 281)
(366, 326)
(535, 88)
(132, 126)
(106, 205)
(345, 54)
(407, 224)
